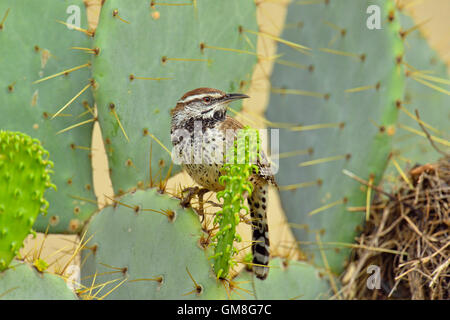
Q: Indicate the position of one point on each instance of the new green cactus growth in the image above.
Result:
(341, 101)
(34, 46)
(236, 181)
(24, 177)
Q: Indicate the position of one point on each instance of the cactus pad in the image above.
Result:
(425, 70)
(340, 98)
(151, 253)
(150, 55)
(33, 45)
(295, 281)
(24, 282)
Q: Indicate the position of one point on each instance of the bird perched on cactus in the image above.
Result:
(201, 134)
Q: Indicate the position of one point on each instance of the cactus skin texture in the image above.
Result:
(24, 282)
(358, 137)
(433, 106)
(150, 254)
(295, 280)
(33, 45)
(142, 245)
(24, 177)
(171, 43)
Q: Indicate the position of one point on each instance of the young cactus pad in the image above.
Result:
(154, 253)
(24, 177)
(149, 56)
(33, 46)
(340, 98)
(24, 282)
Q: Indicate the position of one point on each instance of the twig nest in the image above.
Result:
(408, 238)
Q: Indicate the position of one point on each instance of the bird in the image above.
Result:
(199, 129)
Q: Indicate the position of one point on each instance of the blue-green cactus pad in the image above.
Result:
(138, 40)
(294, 281)
(146, 245)
(24, 282)
(346, 58)
(33, 45)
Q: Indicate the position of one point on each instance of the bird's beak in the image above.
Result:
(234, 96)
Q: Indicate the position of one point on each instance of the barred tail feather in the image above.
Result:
(258, 212)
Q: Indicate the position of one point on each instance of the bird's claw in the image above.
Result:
(186, 201)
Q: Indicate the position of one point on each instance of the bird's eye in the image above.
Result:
(207, 99)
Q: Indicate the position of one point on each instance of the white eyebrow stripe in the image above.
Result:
(200, 96)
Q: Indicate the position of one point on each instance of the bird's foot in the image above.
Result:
(191, 193)
(186, 200)
(201, 211)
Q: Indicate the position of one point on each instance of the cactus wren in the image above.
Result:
(204, 110)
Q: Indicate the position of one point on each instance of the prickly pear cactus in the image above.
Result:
(293, 280)
(341, 100)
(427, 90)
(24, 178)
(150, 54)
(33, 46)
(150, 246)
(147, 247)
(24, 282)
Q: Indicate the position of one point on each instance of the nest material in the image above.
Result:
(409, 239)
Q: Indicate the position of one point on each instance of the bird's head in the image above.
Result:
(204, 104)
